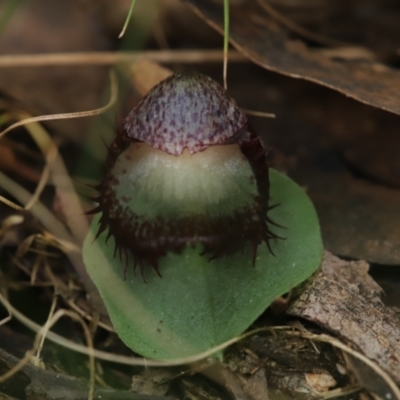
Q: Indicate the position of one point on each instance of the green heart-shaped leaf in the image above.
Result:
(197, 304)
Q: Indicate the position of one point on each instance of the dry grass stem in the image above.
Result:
(10, 203)
(112, 58)
(5, 319)
(20, 265)
(25, 119)
(71, 205)
(46, 328)
(261, 114)
(128, 18)
(35, 269)
(44, 177)
(88, 317)
(340, 392)
(17, 367)
(39, 210)
(226, 44)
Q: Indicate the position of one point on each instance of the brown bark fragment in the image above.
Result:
(345, 300)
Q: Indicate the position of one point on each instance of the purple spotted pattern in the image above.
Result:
(187, 110)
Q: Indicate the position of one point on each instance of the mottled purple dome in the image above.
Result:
(187, 110)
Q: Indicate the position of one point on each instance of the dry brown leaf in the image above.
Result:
(268, 43)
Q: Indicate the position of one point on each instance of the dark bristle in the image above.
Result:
(142, 273)
(95, 210)
(255, 247)
(115, 246)
(89, 185)
(270, 248)
(109, 234)
(125, 269)
(96, 199)
(101, 229)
